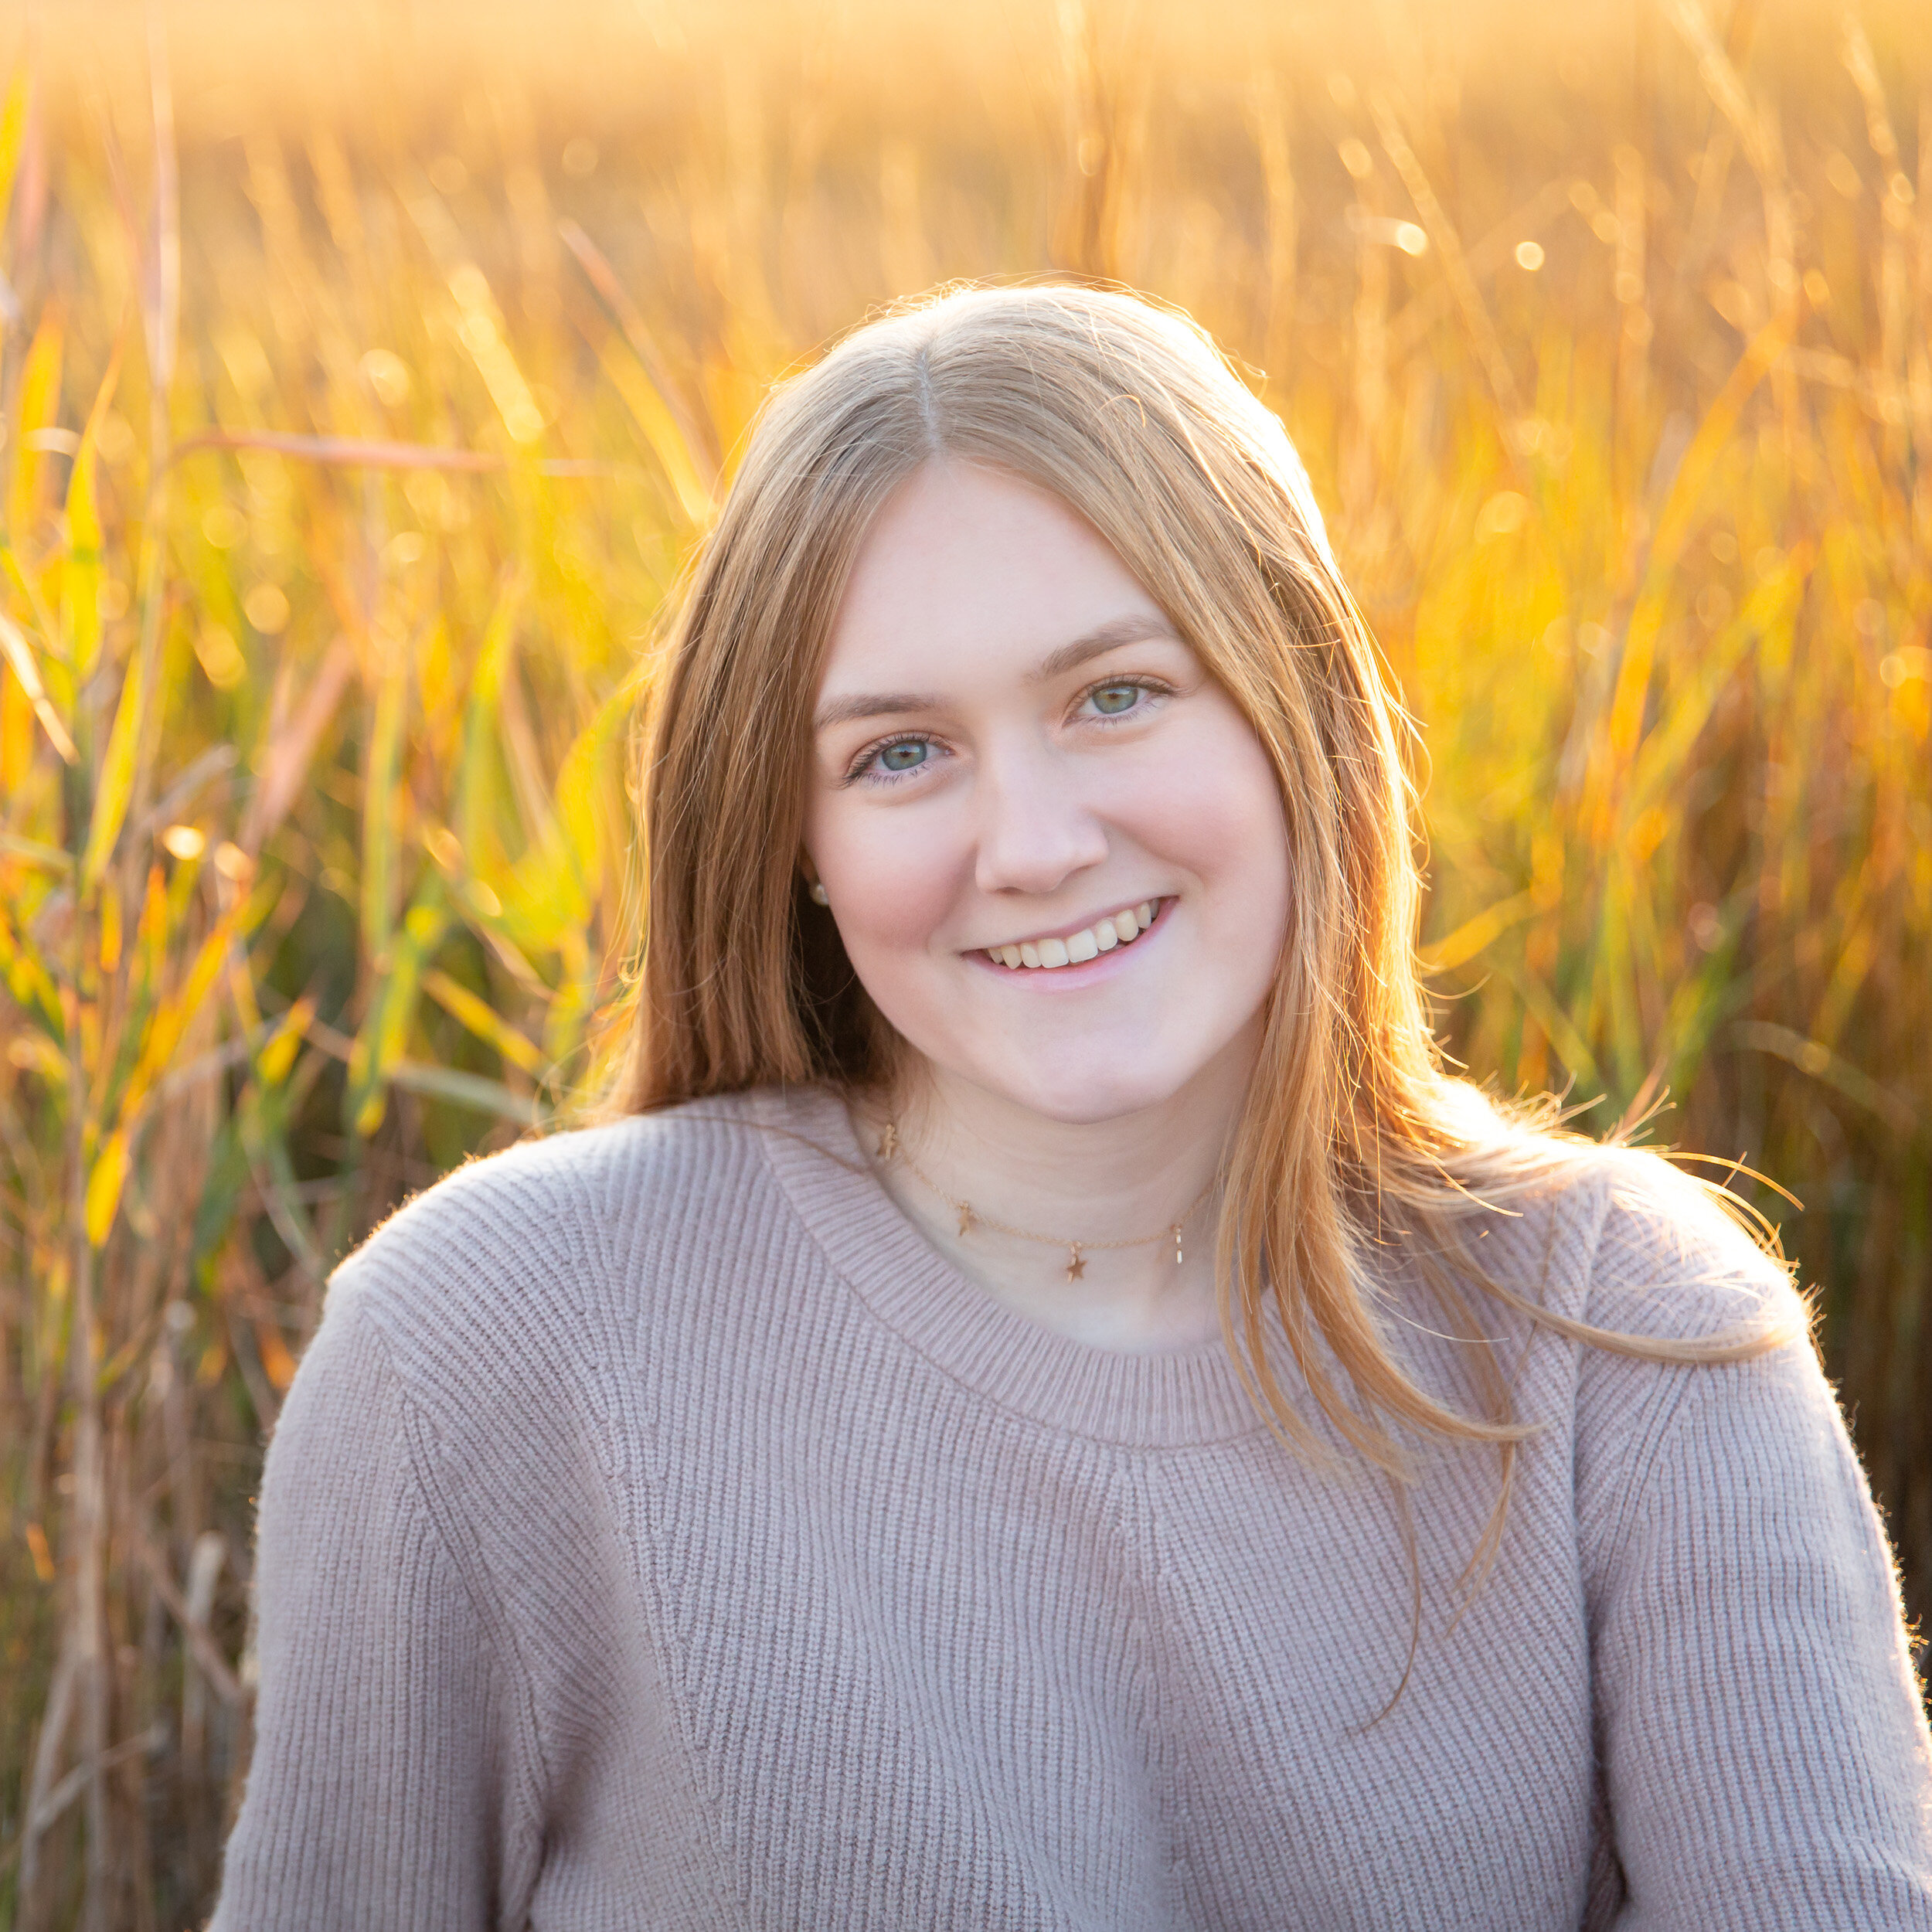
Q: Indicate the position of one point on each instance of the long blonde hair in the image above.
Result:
(1353, 1133)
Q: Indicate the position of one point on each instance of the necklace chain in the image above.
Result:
(892, 1147)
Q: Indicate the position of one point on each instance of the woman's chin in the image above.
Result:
(1079, 1090)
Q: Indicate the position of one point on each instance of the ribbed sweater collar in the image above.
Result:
(1168, 1399)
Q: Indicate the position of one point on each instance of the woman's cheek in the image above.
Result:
(891, 883)
(1210, 804)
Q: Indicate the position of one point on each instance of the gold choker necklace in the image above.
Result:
(892, 1148)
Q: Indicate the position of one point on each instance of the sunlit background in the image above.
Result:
(367, 374)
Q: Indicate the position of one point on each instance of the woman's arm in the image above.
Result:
(1764, 1751)
(386, 1790)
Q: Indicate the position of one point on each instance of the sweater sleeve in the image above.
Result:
(1764, 1751)
(385, 1790)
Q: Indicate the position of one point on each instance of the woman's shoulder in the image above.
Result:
(1673, 1256)
(1689, 1326)
(536, 1236)
(1625, 1239)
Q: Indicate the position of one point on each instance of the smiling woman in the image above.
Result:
(1047, 1405)
(1070, 772)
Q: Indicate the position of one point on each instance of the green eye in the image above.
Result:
(1111, 699)
(907, 755)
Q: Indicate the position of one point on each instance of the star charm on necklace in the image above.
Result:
(1075, 1263)
(888, 1142)
(967, 1217)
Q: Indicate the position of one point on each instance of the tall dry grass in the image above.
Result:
(359, 409)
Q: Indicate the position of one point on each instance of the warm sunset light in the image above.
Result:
(368, 375)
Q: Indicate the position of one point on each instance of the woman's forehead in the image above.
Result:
(966, 565)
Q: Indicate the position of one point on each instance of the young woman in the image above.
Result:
(1051, 1409)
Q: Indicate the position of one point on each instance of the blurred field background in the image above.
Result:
(367, 372)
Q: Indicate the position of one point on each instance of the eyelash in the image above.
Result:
(865, 767)
(1154, 688)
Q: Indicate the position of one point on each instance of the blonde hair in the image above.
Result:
(1354, 1134)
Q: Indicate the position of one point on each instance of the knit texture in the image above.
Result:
(660, 1534)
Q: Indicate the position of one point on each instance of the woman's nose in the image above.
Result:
(1036, 829)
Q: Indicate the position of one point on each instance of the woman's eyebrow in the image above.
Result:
(1138, 629)
(867, 704)
(1102, 638)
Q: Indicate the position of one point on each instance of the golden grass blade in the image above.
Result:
(381, 834)
(1757, 135)
(1477, 935)
(1674, 523)
(364, 453)
(648, 408)
(13, 127)
(380, 1045)
(347, 452)
(81, 572)
(288, 755)
(1812, 1057)
(36, 407)
(173, 1017)
(163, 295)
(47, 858)
(105, 1180)
(693, 439)
(482, 1020)
(1661, 760)
(470, 1090)
(19, 654)
(1448, 244)
(115, 787)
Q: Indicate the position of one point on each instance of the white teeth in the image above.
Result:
(1102, 936)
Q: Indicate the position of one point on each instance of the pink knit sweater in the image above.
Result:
(660, 1534)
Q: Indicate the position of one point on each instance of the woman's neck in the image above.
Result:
(1088, 1185)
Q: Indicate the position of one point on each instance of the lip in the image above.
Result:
(1088, 970)
(1076, 925)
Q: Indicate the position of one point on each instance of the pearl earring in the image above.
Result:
(819, 895)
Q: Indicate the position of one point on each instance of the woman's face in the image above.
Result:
(1017, 760)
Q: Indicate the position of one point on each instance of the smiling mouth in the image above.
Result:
(1074, 949)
